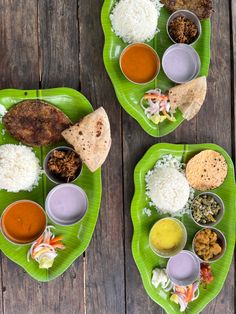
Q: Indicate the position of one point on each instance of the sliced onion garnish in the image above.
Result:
(182, 303)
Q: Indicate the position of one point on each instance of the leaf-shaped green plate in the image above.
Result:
(146, 260)
(129, 94)
(76, 238)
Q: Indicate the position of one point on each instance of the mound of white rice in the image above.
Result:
(169, 161)
(19, 168)
(136, 20)
(168, 188)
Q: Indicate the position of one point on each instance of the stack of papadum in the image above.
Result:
(91, 138)
(188, 97)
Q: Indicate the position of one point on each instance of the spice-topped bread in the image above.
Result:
(189, 97)
(91, 138)
(206, 170)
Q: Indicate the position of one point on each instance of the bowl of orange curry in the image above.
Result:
(139, 63)
(23, 222)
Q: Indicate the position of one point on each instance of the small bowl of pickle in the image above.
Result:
(207, 209)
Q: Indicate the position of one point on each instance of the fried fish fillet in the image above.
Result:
(202, 8)
(36, 123)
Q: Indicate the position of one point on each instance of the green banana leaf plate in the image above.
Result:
(144, 257)
(129, 94)
(76, 238)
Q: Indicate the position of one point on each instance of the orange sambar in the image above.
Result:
(139, 63)
(23, 222)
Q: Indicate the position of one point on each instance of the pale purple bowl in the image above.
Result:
(184, 268)
(66, 204)
(181, 63)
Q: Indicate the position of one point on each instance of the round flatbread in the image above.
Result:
(91, 138)
(189, 97)
(206, 170)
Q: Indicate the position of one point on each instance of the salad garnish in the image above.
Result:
(182, 295)
(156, 106)
(206, 275)
(159, 277)
(43, 250)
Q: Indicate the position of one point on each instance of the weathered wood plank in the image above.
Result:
(19, 46)
(19, 69)
(105, 256)
(214, 120)
(215, 123)
(22, 294)
(135, 143)
(59, 43)
(233, 42)
(59, 66)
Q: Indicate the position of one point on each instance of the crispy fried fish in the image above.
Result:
(36, 123)
(202, 8)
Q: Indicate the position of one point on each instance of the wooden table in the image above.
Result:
(52, 43)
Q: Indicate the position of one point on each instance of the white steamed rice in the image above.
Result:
(19, 168)
(167, 187)
(136, 20)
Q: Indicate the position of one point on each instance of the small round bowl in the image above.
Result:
(157, 62)
(66, 204)
(188, 15)
(184, 268)
(53, 177)
(221, 240)
(220, 215)
(177, 250)
(18, 241)
(181, 63)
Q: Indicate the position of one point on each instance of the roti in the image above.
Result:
(206, 170)
(189, 97)
(36, 123)
(91, 138)
(202, 8)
